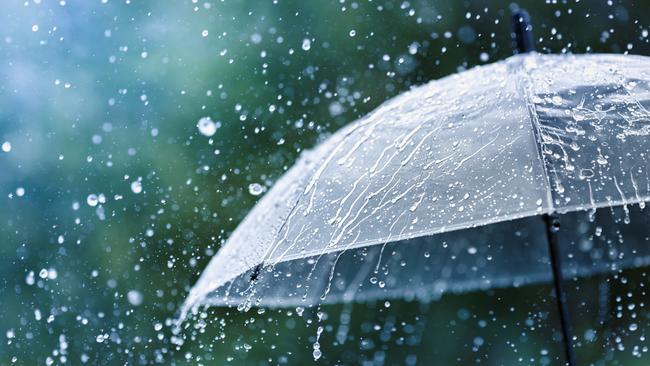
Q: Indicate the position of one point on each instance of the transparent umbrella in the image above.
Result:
(460, 184)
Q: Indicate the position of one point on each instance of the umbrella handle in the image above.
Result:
(522, 32)
(552, 227)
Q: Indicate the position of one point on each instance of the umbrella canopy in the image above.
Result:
(441, 188)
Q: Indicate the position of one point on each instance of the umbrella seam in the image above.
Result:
(525, 81)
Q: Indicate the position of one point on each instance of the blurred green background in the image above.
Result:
(96, 95)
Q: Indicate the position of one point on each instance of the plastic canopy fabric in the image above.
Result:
(439, 188)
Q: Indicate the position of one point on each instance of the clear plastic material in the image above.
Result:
(595, 127)
(519, 138)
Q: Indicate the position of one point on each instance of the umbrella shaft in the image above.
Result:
(552, 225)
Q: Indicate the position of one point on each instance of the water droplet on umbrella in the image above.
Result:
(586, 173)
(300, 310)
(556, 99)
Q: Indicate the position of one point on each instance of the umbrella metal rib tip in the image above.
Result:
(256, 272)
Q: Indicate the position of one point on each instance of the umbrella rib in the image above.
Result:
(525, 85)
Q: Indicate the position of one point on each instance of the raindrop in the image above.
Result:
(336, 109)
(413, 48)
(29, 279)
(590, 335)
(206, 126)
(306, 44)
(92, 200)
(135, 297)
(136, 187)
(599, 231)
(466, 34)
(317, 352)
(555, 225)
(256, 38)
(255, 189)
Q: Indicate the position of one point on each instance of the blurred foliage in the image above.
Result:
(95, 95)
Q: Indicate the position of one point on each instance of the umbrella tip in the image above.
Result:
(522, 32)
(256, 272)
